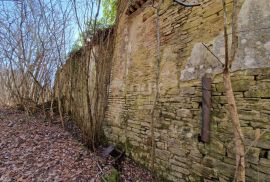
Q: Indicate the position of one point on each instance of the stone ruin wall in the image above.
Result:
(130, 77)
(180, 156)
(93, 61)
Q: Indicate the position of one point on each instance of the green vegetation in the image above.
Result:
(107, 20)
(77, 45)
(109, 11)
(113, 176)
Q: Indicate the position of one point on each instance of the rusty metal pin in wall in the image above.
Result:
(206, 108)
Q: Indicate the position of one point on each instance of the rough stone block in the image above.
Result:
(181, 160)
(219, 87)
(264, 141)
(253, 155)
(256, 175)
(258, 71)
(263, 77)
(177, 151)
(133, 136)
(203, 171)
(177, 163)
(216, 146)
(261, 168)
(187, 91)
(178, 175)
(162, 154)
(160, 145)
(147, 15)
(264, 162)
(248, 115)
(248, 132)
(145, 124)
(260, 90)
(180, 169)
(184, 113)
(134, 126)
(168, 114)
(135, 130)
(230, 161)
(237, 85)
(225, 169)
(195, 105)
(209, 161)
(164, 164)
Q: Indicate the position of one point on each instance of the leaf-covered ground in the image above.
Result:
(34, 150)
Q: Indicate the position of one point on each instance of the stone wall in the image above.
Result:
(82, 83)
(180, 156)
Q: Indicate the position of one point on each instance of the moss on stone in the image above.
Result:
(163, 126)
(74, 66)
(113, 176)
(128, 146)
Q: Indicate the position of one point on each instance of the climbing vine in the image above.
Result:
(154, 110)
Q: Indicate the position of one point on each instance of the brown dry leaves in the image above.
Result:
(31, 150)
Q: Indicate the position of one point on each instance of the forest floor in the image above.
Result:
(34, 150)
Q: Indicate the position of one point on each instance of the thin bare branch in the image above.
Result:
(217, 58)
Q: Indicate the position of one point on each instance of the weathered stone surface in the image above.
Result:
(180, 156)
(254, 47)
(181, 160)
(187, 90)
(162, 154)
(265, 162)
(177, 151)
(238, 85)
(256, 175)
(225, 169)
(168, 114)
(203, 171)
(199, 64)
(183, 113)
(249, 132)
(264, 141)
(261, 168)
(260, 90)
(216, 146)
(249, 115)
(209, 161)
(180, 170)
(253, 155)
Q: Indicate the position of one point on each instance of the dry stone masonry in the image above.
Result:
(83, 83)
(179, 153)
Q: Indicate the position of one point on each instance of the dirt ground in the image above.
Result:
(34, 150)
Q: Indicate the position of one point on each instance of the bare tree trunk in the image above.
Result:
(29, 45)
(43, 102)
(238, 135)
(59, 102)
(51, 106)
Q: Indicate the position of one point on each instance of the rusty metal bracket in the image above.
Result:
(206, 108)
